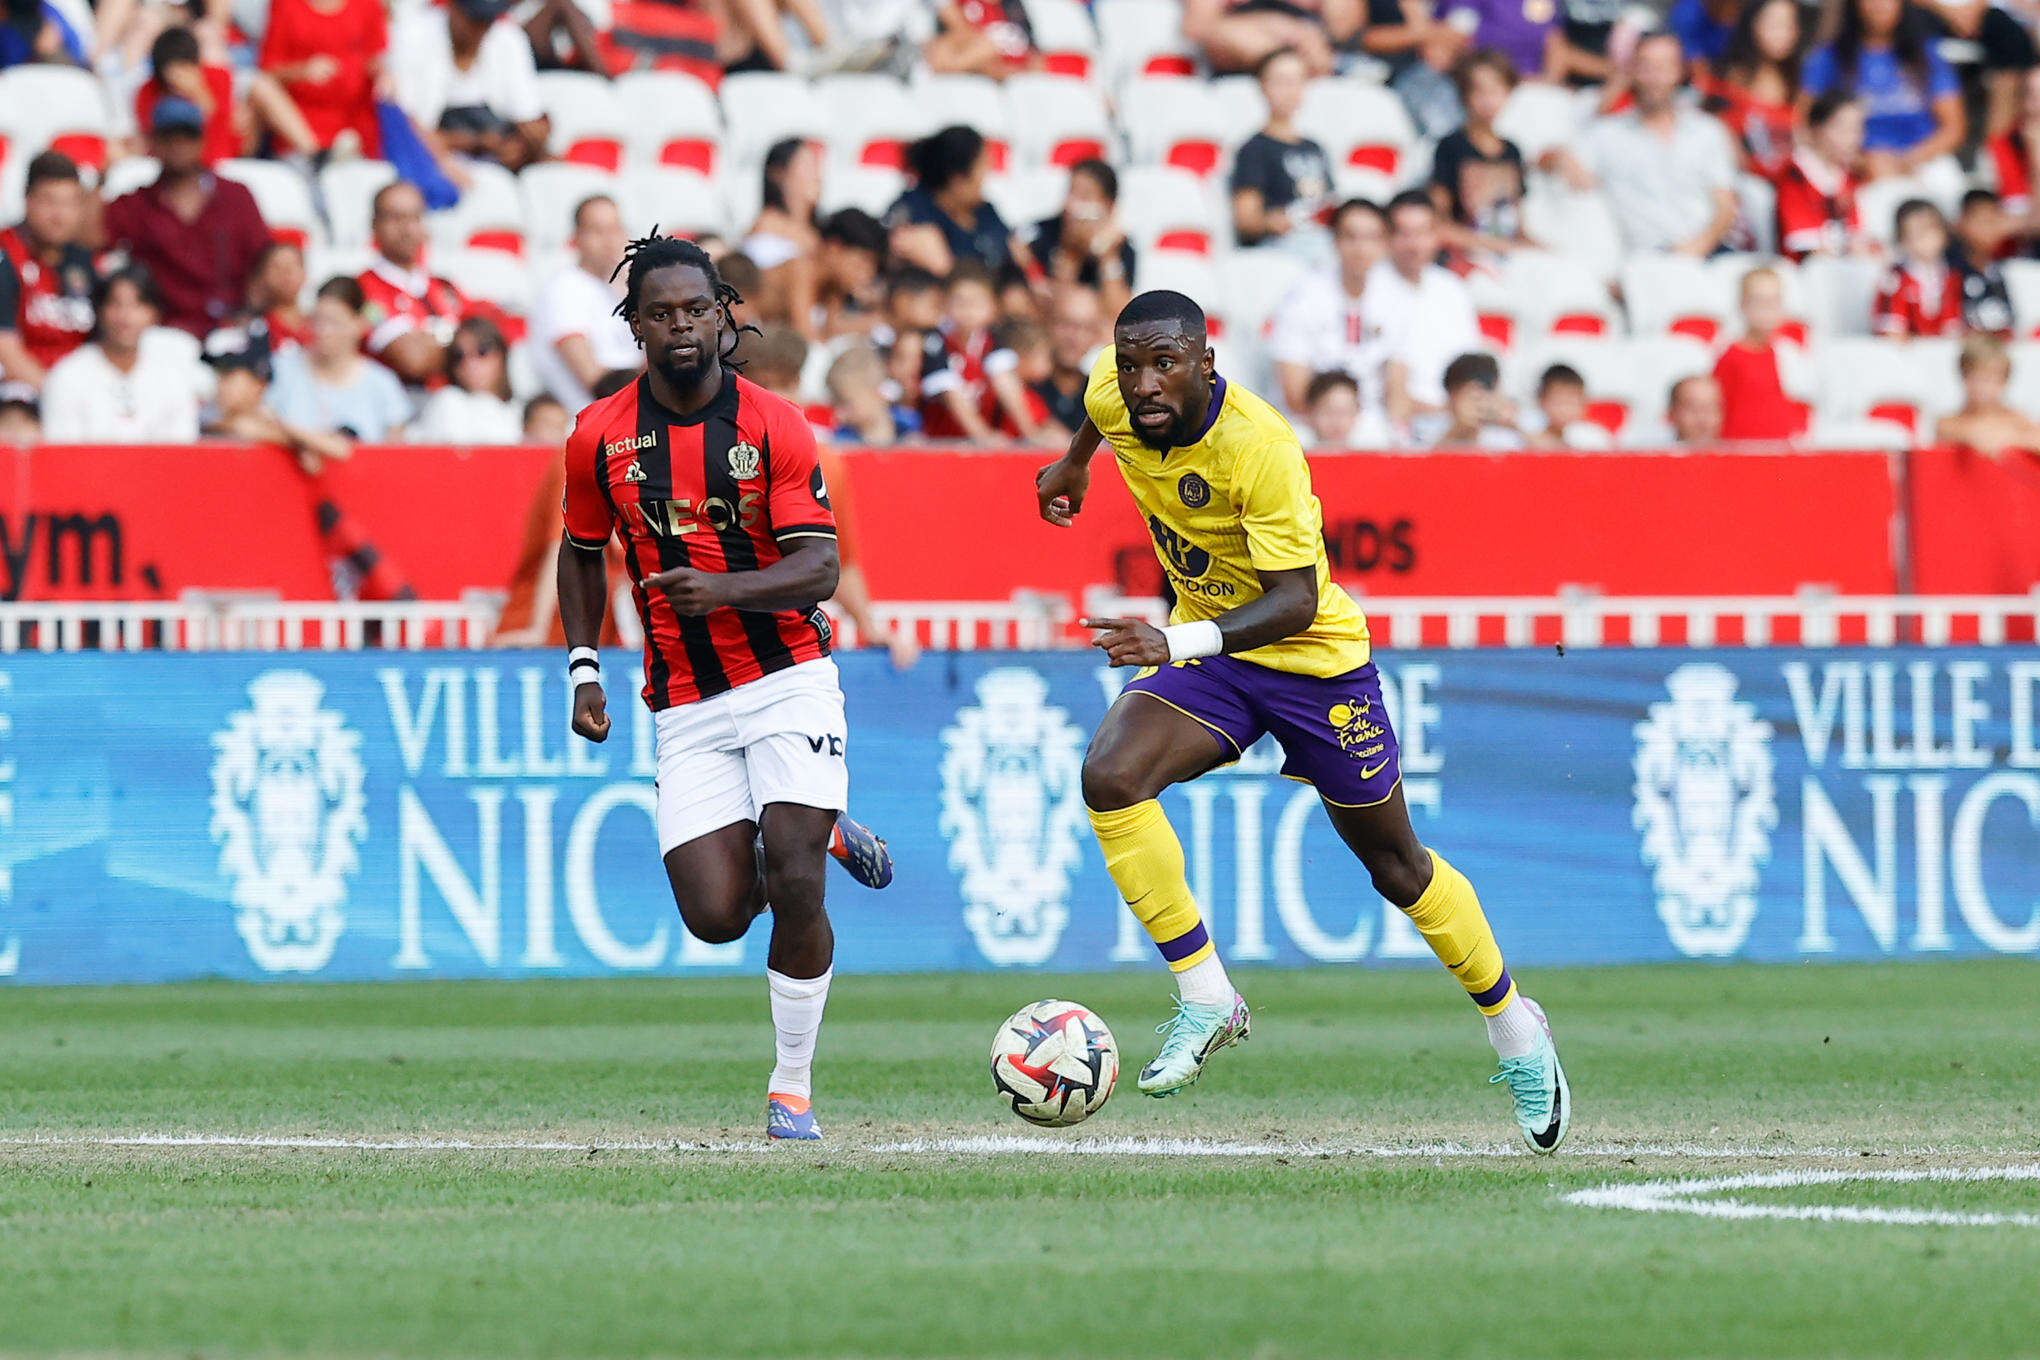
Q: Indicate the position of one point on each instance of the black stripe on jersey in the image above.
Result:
(695, 639)
(718, 437)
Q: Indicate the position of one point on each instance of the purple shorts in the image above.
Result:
(1334, 731)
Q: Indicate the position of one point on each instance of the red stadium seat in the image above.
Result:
(1705, 329)
(1899, 413)
(1609, 415)
(1199, 156)
(1185, 239)
(1076, 64)
(1498, 328)
(503, 239)
(689, 153)
(1073, 149)
(604, 153)
(1579, 323)
(86, 148)
(1169, 64)
(1375, 156)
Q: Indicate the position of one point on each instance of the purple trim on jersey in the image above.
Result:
(1211, 413)
(1494, 994)
(1184, 945)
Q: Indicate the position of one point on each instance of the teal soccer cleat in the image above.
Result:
(1194, 1034)
(1537, 1083)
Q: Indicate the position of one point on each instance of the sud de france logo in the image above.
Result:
(288, 814)
(1706, 808)
(1013, 812)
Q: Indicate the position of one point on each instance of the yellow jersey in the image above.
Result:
(1235, 502)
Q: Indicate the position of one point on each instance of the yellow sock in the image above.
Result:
(1449, 918)
(1146, 861)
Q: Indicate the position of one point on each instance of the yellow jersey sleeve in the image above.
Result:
(1277, 510)
(1102, 401)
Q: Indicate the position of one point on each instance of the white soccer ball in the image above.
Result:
(1054, 1063)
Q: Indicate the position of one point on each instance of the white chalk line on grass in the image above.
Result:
(1705, 1196)
(981, 1144)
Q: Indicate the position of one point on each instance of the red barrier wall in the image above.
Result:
(943, 524)
(1975, 522)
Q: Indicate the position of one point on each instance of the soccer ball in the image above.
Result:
(1054, 1063)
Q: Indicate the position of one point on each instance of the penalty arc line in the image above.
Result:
(1696, 1196)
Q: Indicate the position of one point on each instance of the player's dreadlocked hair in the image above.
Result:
(648, 253)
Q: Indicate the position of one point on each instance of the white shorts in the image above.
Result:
(779, 739)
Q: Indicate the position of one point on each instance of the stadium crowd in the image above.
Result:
(1496, 223)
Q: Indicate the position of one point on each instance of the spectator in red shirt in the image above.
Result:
(412, 314)
(328, 55)
(2013, 154)
(1755, 88)
(1816, 190)
(1756, 396)
(46, 275)
(231, 127)
(199, 235)
(1922, 294)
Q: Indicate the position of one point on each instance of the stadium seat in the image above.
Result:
(871, 120)
(1837, 296)
(1627, 379)
(1360, 125)
(126, 175)
(1190, 275)
(56, 107)
(1558, 294)
(1573, 222)
(968, 101)
(349, 188)
(1141, 38)
(2022, 281)
(1056, 120)
(1253, 281)
(673, 120)
(1912, 383)
(490, 276)
(284, 196)
(679, 201)
(1757, 201)
(1064, 36)
(552, 190)
(1246, 112)
(1353, 181)
(1027, 196)
(1863, 432)
(763, 107)
(1168, 209)
(333, 262)
(2024, 389)
(1877, 203)
(491, 215)
(590, 125)
(1178, 123)
(1539, 117)
(860, 186)
(1678, 295)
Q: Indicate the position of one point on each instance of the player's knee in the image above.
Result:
(1400, 872)
(794, 884)
(1112, 782)
(717, 924)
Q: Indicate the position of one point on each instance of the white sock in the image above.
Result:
(1205, 984)
(1515, 1030)
(796, 1024)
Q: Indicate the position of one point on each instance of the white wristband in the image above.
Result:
(1188, 641)
(582, 671)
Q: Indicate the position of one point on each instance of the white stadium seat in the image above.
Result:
(1189, 275)
(1179, 123)
(1360, 125)
(1027, 196)
(1865, 432)
(1254, 281)
(1668, 293)
(590, 124)
(1836, 296)
(674, 119)
(1141, 38)
(552, 190)
(487, 276)
(1056, 120)
(1064, 36)
(873, 190)
(1245, 110)
(2024, 391)
(682, 202)
(1168, 209)
(58, 107)
(1539, 117)
(1913, 381)
(349, 188)
(871, 120)
(763, 107)
(491, 214)
(968, 101)
(1559, 293)
(283, 195)
(128, 174)
(2022, 281)
(1572, 222)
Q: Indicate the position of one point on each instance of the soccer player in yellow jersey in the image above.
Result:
(1261, 642)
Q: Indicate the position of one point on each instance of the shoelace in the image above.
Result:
(1179, 1035)
(1526, 1081)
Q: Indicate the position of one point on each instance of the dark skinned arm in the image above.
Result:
(1060, 487)
(584, 594)
(1286, 606)
(802, 579)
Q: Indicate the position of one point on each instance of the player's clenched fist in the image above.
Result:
(591, 712)
(689, 591)
(1130, 642)
(1059, 490)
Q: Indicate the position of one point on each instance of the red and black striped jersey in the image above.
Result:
(732, 487)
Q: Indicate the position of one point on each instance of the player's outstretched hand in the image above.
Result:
(1130, 642)
(591, 711)
(687, 590)
(1060, 488)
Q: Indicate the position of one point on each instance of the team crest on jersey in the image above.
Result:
(288, 814)
(745, 461)
(635, 472)
(1706, 807)
(1013, 813)
(1194, 490)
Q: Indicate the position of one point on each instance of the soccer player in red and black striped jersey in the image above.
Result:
(715, 488)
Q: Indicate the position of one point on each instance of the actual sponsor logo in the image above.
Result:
(288, 814)
(630, 445)
(745, 461)
(1706, 807)
(1013, 814)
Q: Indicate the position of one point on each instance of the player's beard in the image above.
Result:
(1173, 435)
(682, 376)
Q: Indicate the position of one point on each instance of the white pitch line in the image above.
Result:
(994, 1144)
(1688, 1197)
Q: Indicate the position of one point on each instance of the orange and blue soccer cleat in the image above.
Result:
(859, 850)
(790, 1117)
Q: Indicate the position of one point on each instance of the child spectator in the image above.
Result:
(2012, 156)
(1815, 189)
(1476, 173)
(237, 411)
(1980, 232)
(1921, 295)
(1479, 417)
(275, 287)
(232, 126)
(966, 380)
(1562, 401)
(913, 300)
(1883, 54)
(134, 383)
(1693, 410)
(1331, 409)
(903, 381)
(1986, 422)
(849, 299)
(330, 384)
(1754, 89)
(474, 407)
(856, 385)
(546, 421)
(1027, 341)
(1281, 180)
(328, 56)
(1759, 373)
(46, 274)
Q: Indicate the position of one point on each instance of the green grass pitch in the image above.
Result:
(1377, 1211)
